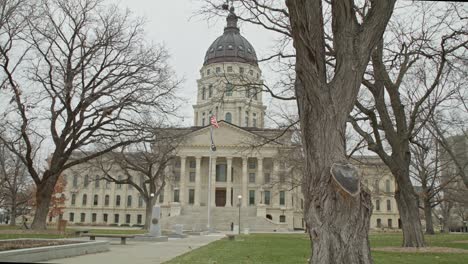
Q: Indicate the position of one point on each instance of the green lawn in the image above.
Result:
(294, 248)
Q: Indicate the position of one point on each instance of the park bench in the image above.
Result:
(122, 237)
(80, 232)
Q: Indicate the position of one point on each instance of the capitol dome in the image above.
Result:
(231, 46)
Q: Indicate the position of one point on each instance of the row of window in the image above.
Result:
(176, 198)
(389, 223)
(282, 218)
(106, 201)
(267, 197)
(228, 118)
(141, 202)
(105, 218)
(252, 164)
(241, 70)
(107, 184)
(376, 185)
(377, 205)
(248, 92)
(221, 175)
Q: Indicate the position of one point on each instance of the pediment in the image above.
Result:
(226, 135)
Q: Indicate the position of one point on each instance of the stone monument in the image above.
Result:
(155, 228)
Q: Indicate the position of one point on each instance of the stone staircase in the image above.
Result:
(196, 218)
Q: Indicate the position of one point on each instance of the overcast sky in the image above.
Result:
(187, 37)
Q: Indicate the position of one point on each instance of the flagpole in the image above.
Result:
(209, 182)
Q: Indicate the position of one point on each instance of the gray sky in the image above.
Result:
(187, 37)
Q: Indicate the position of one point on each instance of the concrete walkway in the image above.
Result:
(136, 252)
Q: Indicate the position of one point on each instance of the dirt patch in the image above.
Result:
(422, 250)
(24, 243)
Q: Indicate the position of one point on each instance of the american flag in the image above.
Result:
(213, 121)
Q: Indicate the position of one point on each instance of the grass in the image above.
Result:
(295, 248)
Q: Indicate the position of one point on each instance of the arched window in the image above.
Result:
(86, 181)
(73, 199)
(254, 119)
(377, 205)
(228, 117)
(387, 185)
(376, 186)
(106, 200)
(129, 201)
(389, 205)
(117, 200)
(95, 200)
(75, 181)
(229, 89)
(85, 197)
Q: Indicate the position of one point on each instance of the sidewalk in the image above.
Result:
(136, 252)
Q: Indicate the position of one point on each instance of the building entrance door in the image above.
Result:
(220, 198)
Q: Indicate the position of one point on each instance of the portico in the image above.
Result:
(231, 176)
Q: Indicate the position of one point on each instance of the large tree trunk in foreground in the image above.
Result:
(428, 217)
(43, 196)
(339, 223)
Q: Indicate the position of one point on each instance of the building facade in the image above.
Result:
(250, 172)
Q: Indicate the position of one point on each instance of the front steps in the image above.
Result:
(196, 218)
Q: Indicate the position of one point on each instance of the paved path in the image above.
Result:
(136, 252)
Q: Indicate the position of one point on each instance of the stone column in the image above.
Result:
(259, 179)
(274, 191)
(183, 179)
(244, 181)
(198, 160)
(213, 181)
(229, 181)
(168, 195)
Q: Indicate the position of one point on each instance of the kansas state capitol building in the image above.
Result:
(250, 161)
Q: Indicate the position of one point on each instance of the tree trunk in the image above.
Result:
(149, 212)
(339, 223)
(408, 208)
(13, 213)
(43, 196)
(428, 217)
(150, 202)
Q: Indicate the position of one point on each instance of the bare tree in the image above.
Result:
(338, 222)
(427, 170)
(409, 77)
(81, 77)
(14, 184)
(143, 166)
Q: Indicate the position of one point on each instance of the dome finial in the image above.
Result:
(231, 20)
